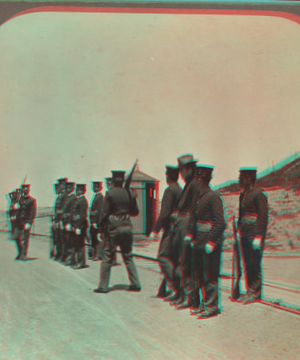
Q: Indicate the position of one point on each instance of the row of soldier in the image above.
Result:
(193, 224)
(193, 221)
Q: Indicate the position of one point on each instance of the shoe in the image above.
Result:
(176, 302)
(197, 311)
(243, 297)
(115, 264)
(23, 258)
(102, 291)
(18, 257)
(134, 288)
(251, 299)
(172, 296)
(97, 259)
(184, 305)
(81, 267)
(209, 313)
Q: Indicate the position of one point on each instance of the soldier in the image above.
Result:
(119, 205)
(182, 246)
(26, 215)
(67, 214)
(53, 227)
(94, 215)
(79, 226)
(252, 226)
(59, 206)
(109, 185)
(207, 228)
(166, 220)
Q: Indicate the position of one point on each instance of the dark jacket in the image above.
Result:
(95, 208)
(118, 205)
(68, 208)
(79, 213)
(169, 205)
(253, 213)
(27, 210)
(190, 190)
(207, 222)
(59, 206)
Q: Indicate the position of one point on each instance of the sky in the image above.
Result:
(82, 94)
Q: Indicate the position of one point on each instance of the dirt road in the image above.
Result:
(48, 311)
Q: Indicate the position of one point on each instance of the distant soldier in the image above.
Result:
(252, 226)
(26, 216)
(79, 226)
(207, 228)
(182, 245)
(94, 216)
(119, 205)
(60, 204)
(166, 220)
(12, 214)
(67, 215)
(53, 227)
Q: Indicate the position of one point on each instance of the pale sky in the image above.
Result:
(83, 94)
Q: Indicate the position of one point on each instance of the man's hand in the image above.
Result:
(153, 236)
(16, 206)
(26, 226)
(257, 243)
(209, 248)
(188, 238)
(68, 227)
(77, 231)
(100, 237)
(94, 225)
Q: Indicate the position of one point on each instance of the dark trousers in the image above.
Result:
(252, 266)
(52, 241)
(96, 248)
(182, 255)
(121, 236)
(66, 245)
(80, 258)
(207, 271)
(22, 242)
(70, 258)
(58, 241)
(166, 260)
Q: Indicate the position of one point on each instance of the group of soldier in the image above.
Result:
(193, 224)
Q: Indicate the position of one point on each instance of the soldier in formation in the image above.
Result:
(25, 210)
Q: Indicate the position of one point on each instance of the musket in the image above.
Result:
(236, 262)
(129, 178)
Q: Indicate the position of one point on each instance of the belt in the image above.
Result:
(249, 218)
(119, 217)
(184, 214)
(204, 226)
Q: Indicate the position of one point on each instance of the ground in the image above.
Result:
(49, 311)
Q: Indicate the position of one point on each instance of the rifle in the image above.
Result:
(129, 178)
(236, 263)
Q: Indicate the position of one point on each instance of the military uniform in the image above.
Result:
(53, 227)
(79, 227)
(166, 220)
(119, 205)
(12, 214)
(207, 227)
(69, 244)
(59, 230)
(94, 216)
(252, 224)
(26, 216)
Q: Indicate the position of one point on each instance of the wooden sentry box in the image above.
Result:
(146, 190)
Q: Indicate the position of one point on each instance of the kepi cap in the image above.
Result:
(186, 159)
(118, 174)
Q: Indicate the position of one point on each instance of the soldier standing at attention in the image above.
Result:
(166, 220)
(252, 226)
(94, 216)
(53, 223)
(79, 226)
(119, 205)
(207, 228)
(182, 248)
(59, 206)
(67, 213)
(26, 215)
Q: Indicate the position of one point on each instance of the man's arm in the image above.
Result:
(165, 212)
